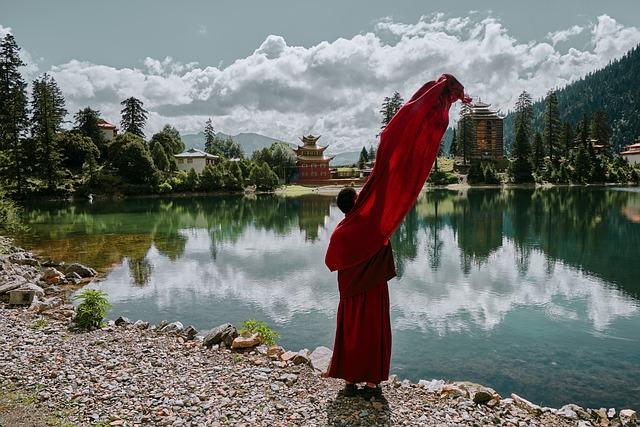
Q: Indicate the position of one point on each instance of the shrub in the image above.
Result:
(92, 310)
(442, 178)
(267, 335)
(165, 188)
(9, 215)
(263, 177)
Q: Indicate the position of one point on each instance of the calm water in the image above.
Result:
(536, 292)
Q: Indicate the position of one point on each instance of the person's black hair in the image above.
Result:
(346, 199)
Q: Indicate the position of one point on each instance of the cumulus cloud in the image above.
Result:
(30, 70)
(564, 35)
(334, 88)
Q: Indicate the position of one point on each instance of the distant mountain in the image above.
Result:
(614, 88)
(249, 142)
(345, 159)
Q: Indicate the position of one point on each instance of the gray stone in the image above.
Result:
(141, 324)
(21, 297)
(433, 386)
(224, 333)
(37, 290)
(122, 321)
(48, 304)
(10, 286)
(627, 417)
(526, 405)
(482, 395)
(190, 332)
(81, 270)
(24, 258)
(321, 358)
(172, 328)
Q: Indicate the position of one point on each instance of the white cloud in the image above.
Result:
(335, 88)
(30, 70)
(564, 35)
(202, 29)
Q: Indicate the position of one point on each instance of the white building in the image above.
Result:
(109, 130)
(632, 153)
(194, 159)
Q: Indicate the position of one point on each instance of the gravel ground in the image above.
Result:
(122, 375)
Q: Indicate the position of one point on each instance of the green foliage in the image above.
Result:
(520, 170)
(552, 126)
(280, 158)
(483, 173)
(390, 106)
(9, 214)
(364, 158)
(192, 183)
(583, 168)
(159, 156)
(92, 309)
(134, 116)
(170, 140)
(87, 124)
(442, 178)
(165, 188)
(263, 177)
(211, 178)
(267, 335)
(537, 158)
(39, 324)
(131, 158)
(76, 149)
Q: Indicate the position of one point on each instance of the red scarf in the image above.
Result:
(408, 147)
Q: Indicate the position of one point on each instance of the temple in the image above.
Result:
(312, 164)
(488, 142)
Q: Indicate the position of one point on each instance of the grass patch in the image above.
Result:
(293, 190)
(39, 324)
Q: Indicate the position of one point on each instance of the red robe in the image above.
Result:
(359, 247)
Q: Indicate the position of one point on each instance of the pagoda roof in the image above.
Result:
(482, 110)
(311, 147)
(315, 158)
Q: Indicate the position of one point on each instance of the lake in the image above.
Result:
(529, 291)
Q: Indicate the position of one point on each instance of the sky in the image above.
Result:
(285, 67)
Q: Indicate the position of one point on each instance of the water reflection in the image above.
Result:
(516, 275)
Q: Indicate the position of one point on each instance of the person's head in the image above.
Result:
(346, 199)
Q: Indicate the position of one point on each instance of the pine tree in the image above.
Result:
(524, 115)
(552, 126)
(134, 116)
(566, 139)
(86, 122)
(390, 106)
(520, 168)
(14, 120)
(209, 137)
(364, 158)
(466, 133)
(372, 153)
(600, 130)
(159, 156)
(48, 112)
(538, 153)
(453, 149)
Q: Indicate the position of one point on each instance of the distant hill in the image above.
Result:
(615, 88)
(345, 159)
(249, 142)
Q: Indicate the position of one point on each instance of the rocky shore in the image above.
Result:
(134, 374)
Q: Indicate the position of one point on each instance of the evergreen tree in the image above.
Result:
(130, 156)
(86, 122)
(538, 153)
(566, 139)
(134, 116)
(520, 168)
(524, 115)
(552, 126)
(600, 130)
(372, 153)
(466, 133)
(48, 111)
(169, 138)
(14, 120)
(209, 137)
(453, 149)
(583, 168)
(159, 156)
(364, 158)
(390, 106)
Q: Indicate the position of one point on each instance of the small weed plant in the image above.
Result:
(267, 335)
(92, 310)
(39, 324)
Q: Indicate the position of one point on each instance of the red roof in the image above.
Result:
(631, 149)
(105, 124)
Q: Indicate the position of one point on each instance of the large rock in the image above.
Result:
(190, 332)
(274, 352)
(120, 321)
(321, 358)
(246, 342)
(172, 328)
(523, 403)
(48, 304)
(52, 276)
(37, 290)
(225, 333)
(573, 412)
(81, 270)
(24, 258)
(433, 386)
(628, 417)
(10, 286)
(21, 296)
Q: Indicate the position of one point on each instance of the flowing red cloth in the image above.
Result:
(362, 347)
(408, 147)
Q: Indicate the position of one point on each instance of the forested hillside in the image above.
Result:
(615, 89)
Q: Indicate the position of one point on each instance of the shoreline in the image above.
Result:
(52, 365)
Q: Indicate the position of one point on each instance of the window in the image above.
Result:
(189, 160)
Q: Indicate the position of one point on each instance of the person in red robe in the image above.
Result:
(359, 247)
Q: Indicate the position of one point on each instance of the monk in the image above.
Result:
(359, 248)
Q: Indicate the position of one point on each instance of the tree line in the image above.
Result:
(41, 156)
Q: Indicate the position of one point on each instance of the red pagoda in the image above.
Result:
(313, 165)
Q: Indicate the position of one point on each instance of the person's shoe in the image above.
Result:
(349, 390)
(369, 392)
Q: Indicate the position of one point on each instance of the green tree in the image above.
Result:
(209, 137)
(48, 112)
(520, 167)
(390, 106)
(524, 115)
(14, 120)
(263, 177)
(87, 123)
(132, 159)
(76, 149)
(280, 158)
(552, 126)
(169, 138)
(453, 149)
(159, 156)
(192, 182)
(566, 139)
(600, 129)
(134, 116)
(364, 158)
(211, 178)
(538, 153)
(583, 167)
(372, 153)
